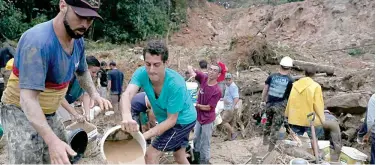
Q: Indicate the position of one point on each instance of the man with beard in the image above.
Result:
(47, 57)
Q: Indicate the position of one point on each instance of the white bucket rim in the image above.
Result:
(354, 153)
(140, 140)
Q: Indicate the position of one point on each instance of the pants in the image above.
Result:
(203, 134)
(275, 119)
(174, 138)
(103, 92)
(372, 138)
(115, 98)
(333, 134)
(300, 131)
(25, 145)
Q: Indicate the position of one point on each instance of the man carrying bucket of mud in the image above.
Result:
(47, 57)
(171, 103)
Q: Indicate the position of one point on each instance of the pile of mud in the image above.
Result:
(249, 51)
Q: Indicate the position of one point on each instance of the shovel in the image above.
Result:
(314, 144)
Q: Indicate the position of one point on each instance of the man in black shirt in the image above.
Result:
(102, 79)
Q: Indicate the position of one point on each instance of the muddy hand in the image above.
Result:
(103, 103)
(58, 152)
(79, 118)
(129, 126)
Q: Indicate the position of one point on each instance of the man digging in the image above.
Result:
(47, 57)
(171, 103)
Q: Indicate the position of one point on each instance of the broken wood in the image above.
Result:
(297, 77)
(320, 68)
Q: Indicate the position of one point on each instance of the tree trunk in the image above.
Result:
(320, 68)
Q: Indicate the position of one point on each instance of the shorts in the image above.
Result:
(174, 139)
(227, 116)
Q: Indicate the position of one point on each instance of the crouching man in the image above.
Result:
(171, 103)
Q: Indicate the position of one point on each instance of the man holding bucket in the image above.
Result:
(171, 103)
(47, 57)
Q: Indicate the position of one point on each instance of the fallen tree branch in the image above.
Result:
(320, 68)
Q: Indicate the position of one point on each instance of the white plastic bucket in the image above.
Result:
(351, 155)
(218, 110)
(137, 136)
(192, 89)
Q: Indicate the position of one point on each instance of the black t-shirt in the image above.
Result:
(279, 87)
(5, 55)
(102, 73)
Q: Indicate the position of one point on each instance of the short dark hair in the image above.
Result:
(203, 64)
(310, 71)
(92, 61)
(158, 48)
(112, 63)
(103, 63)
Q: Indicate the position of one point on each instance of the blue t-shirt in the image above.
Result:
(174, 97)
(42, 64)
(138, 103)
(279, 87)
(116, 78)
(74, 91)
(231, 92)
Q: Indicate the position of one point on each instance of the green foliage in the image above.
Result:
(355, 52)
(125, 20)
(11, 24)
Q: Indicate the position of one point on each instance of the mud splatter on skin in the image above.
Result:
(86, 83)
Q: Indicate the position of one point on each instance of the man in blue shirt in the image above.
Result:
(170, 101)
(47, 56)
(115, 85)
(230, 100)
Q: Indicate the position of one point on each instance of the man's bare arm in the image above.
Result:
(70, 109)
(31, 107)
(87, 83)
(125, 101)
(203, 107)
(236, 100)
(162, 127)
(265, 93)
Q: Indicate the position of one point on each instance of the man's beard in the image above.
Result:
(69, 30)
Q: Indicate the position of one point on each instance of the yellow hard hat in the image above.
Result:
(9, 65)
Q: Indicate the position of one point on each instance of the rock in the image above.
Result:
(354, 103)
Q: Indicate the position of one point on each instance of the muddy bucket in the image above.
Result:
(118, 147)
(78, 140)
(90, 129)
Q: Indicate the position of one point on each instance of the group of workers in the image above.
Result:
(50, 71)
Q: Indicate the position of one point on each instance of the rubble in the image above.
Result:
(354, 103)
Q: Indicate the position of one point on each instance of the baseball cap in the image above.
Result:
(85, 8)
(228, 75)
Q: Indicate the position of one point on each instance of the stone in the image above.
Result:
(353, 103)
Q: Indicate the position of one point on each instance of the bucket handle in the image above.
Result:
(189, 80)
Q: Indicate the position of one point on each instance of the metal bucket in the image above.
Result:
(77, 140)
